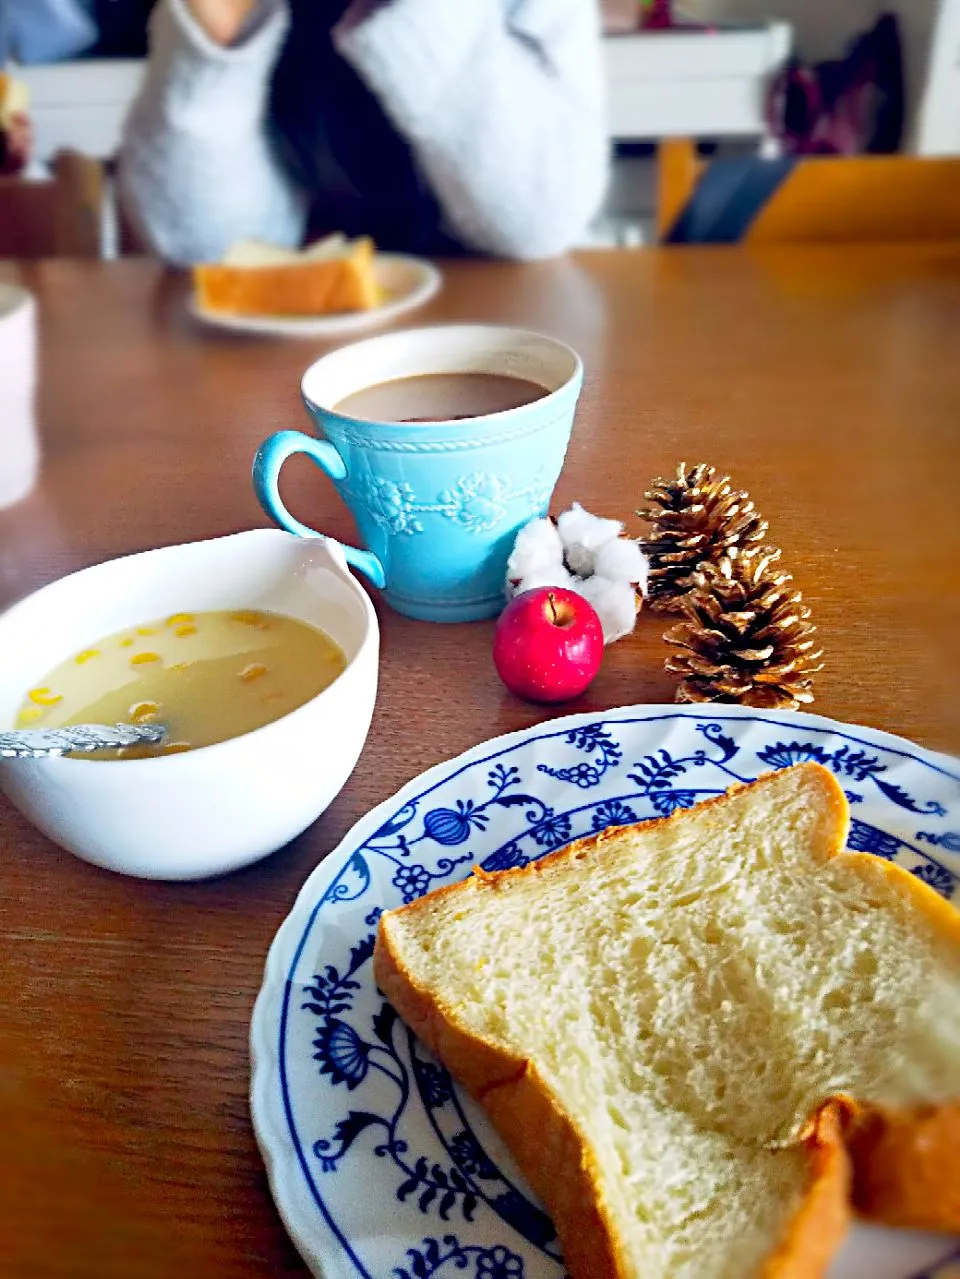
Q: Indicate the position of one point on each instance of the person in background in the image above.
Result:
(431, 125)
(16, 129)
(16, 144)
(121, 27)
(33, 31)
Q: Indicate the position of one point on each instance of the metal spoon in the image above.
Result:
(35, 743)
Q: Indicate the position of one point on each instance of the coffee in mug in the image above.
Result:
(440, 397)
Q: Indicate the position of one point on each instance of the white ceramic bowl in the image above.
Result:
(211, 810)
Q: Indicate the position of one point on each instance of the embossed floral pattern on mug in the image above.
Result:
(477, 502)
(391, 504)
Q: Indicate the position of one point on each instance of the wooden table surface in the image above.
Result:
(824, 380)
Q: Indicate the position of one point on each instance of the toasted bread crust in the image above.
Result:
(302, 288)
(906, 1165)
(524, 1111)
(903, 1165)
(820, 1222)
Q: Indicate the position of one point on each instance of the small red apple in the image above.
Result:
(548, 644)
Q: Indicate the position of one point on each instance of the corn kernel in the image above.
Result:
(146, 630)
(87, 655)
(185, 629)
(142, 659)
(44, 697)
(253, 671)
(126, 643)
(250, 617)
(180, 619)
(143, 712)
(30, 714)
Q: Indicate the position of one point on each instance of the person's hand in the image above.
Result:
(16, 144)
(221, 19)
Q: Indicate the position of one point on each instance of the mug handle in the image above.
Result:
(271, 456)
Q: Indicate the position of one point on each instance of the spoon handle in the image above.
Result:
(34, 743)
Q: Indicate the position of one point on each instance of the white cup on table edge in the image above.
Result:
(19, 444)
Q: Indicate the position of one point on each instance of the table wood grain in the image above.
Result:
(824, 380)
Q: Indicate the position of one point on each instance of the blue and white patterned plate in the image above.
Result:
(380, 1165)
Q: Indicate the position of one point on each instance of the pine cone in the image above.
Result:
(746, 636)
(697, 518)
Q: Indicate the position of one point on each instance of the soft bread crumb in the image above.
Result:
(685, 995)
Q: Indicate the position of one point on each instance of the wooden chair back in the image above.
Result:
(825, 199)
(57, 217)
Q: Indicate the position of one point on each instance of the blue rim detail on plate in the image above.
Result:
(502, 1235)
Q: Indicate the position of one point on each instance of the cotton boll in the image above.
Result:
(584, 553)
(557, 576)
(537, 548)
(580, 525)
(540, 541)
(615, 604)
(582, 534)
(621, 560)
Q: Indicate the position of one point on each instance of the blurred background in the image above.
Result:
(733, 75)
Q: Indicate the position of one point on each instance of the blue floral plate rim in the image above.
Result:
(321, 1242)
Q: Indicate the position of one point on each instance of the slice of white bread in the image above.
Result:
(332, 275)
(701, 1037)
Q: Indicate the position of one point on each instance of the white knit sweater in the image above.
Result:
(500, 100)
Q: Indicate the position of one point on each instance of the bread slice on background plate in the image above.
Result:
(330, 276)
(703, 1038)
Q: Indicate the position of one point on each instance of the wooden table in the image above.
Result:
(823, 379)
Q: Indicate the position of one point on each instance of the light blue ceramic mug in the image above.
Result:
(438, 504)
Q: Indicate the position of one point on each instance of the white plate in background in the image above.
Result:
(406, 282)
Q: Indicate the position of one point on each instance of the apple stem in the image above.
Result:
(553, 608)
